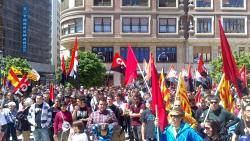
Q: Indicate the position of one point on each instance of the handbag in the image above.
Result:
(65, 125)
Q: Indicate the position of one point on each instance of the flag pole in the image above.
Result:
(144, 79)
(217, 89)
(178, 87)
(157, 128)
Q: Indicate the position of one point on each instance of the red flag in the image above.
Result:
(229, 66)
(118, 64)
(63, 66)
(198, 95)
(157, 99)
(22, 84)
(63, 71)
(201, 67)
(74, 60)
(131, 66)
(243, 74)
(190, 79)
(51, 92)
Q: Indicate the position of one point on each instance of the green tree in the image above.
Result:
(216, 65)
(19, 63)
(91, 70)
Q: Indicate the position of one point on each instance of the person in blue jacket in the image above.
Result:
(178, 130)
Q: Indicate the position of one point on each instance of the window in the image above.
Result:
(102, 24)
(140, 53)
(168, 3)
(78, 3)
(204, 25)
(168, 25)
(233, 3)
(135, 25)
(72, 26)
(102, 3)
(204, 51)
(135, 2)
(64, 4)
(204, 3)
(235, 24)
(166, 54)
(104, 53)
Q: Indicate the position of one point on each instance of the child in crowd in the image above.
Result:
(78, 133)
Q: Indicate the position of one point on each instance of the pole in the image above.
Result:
(178, 87)
(157, 128)
(209, 109)
(144, 79)
(107, 80)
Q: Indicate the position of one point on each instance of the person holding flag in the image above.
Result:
(220, 114)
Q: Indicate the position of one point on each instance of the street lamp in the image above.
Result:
(186, 23)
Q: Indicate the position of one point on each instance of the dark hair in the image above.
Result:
(63, 103)
(110, 96)
(39, 94)
(215, 125)
(82, 98)
(213, 97)
(102, 99)
(79, 125)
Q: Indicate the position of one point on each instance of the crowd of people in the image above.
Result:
(117, 114)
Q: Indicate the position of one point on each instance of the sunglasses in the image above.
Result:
(213, 102)
(177, 105)
(175, 116)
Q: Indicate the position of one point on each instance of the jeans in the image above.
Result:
(63, 136)
(137, 132)
(41, 134)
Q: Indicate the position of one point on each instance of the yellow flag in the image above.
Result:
(182, 93)
(16, 71)
(225, 94)
(164, 90)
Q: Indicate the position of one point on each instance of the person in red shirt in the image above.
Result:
(63, 115)
(136, 109)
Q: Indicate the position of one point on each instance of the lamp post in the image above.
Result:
(186, 23)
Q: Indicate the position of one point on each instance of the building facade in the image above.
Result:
(174, 31)
(25, 31)
(55, 34)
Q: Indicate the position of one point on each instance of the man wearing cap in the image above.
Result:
(218, 113)
(178, 130)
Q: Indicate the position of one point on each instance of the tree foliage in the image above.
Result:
(216, 65)
(91, 70)
(19, 63)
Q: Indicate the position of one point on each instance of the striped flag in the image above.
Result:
(164, 90)
(148, 71)
(172, 74)
(225, 94)
(74, 61)
(182, 93)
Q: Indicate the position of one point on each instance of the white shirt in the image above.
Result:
(2, 118)
(120, 105)
(79, 137)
